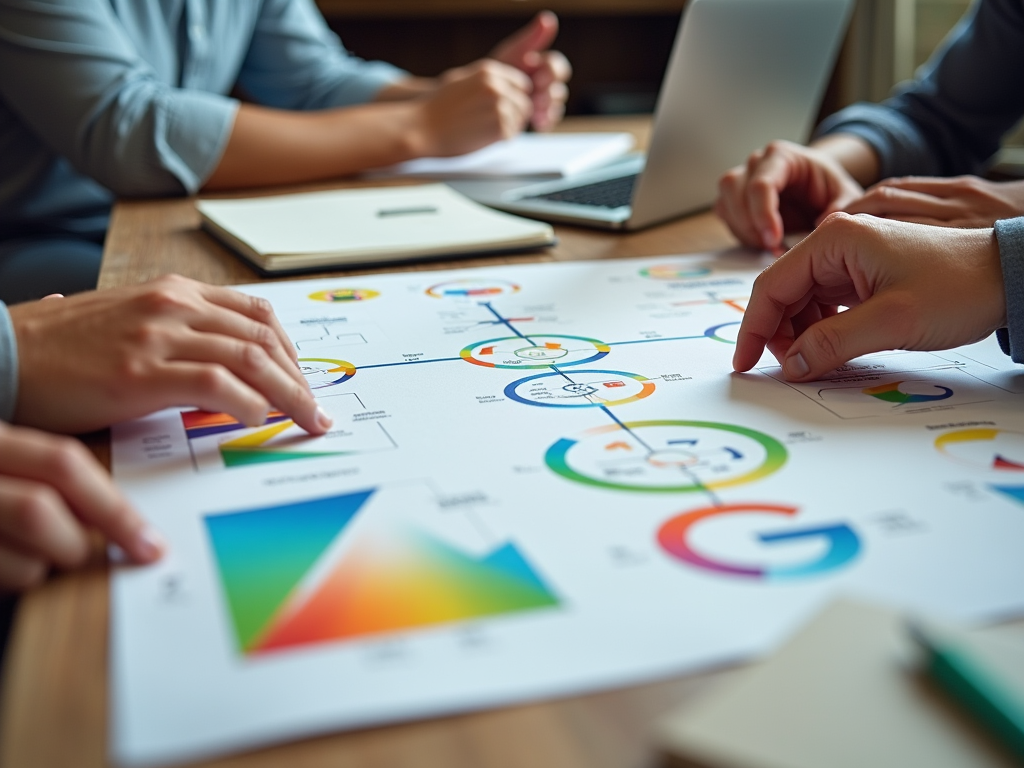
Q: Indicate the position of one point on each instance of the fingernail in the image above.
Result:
(322, 419)
(796, 367)
(148, 545)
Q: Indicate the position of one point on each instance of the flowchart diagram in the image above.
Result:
(543, 479)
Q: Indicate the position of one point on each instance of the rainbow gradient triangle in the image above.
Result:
(406, 579)
(262, 554)
(390, 578)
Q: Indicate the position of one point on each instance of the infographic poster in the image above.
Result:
(541, 480)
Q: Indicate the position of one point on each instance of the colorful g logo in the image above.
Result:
(843, 544)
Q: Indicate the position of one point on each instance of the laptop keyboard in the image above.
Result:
(611, 193)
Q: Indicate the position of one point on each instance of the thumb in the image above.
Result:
(836, 340)
(536, 36)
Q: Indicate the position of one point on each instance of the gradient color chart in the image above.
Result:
(388, 580)
(842, 544)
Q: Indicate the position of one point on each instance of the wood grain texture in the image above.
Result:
(55, 694)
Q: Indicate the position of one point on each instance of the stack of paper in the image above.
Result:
(552, 155)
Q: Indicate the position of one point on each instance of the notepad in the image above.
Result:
(319, 230)
(551, 155)
(844, 692)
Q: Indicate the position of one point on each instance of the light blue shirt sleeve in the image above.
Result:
(8, 366)
(1010, 236)
(296, 62)
(952, 119)
(74, 76)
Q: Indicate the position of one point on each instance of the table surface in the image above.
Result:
(55, 694)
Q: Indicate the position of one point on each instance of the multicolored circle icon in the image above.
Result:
(908, 392)
(675, 271)
(985, 448)
(580, 389)
(323, 372)
(666, 456)
(842, 544)
(534, 351)
(344, 295)
(476, 289)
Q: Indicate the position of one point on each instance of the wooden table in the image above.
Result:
(55, 698)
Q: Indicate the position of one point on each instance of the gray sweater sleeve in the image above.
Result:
(1010, 235)
(8, 366)
(952, 118)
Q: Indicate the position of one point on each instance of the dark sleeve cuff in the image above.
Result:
(901, 147)
(1010, 236)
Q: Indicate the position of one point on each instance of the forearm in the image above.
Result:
(855, 155)
(269, 147)
(406, 88)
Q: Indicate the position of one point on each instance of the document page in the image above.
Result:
(542, 479)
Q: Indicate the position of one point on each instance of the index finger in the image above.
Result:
(929, 185)
(253, 307)
(64, 464)
(780, 291)
(765, 181)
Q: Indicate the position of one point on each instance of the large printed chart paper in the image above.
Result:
(541, 480)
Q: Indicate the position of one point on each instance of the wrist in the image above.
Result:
(856, 156)
(421, 137)
(407, 88)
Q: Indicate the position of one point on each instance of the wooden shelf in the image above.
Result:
(422, 8)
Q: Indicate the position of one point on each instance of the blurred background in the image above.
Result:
(619, 48)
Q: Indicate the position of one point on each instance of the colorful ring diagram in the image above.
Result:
(675, 537)
(995, 449)
(580, 389)
(323, 372)
(343, 295)
(666, 456)
(473, 288)
(713, 332)
(536, 351)
(891, 393)
(675, 271)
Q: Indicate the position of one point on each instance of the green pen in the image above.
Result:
(984, 674)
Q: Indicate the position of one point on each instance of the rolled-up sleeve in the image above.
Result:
(295, 62)
(1010, 236)
(74, 77)
(8, 366)
(952, 119)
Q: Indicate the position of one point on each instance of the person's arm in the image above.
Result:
(485, 103)
(73, 76)
(907, 286)
(97, 358)
(52, 493)
(951, 119)
(296, 63)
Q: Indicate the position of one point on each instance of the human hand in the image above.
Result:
(527, 51)
(52, 491)
(474, 106)
(783, 187)
(96, 358)
(908, 286)
(962, 201)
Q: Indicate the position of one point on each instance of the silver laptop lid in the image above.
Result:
(742, 73)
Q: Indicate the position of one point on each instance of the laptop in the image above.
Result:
(742, 73)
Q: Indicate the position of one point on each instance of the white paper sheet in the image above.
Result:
(542, 480)
(530, 154)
